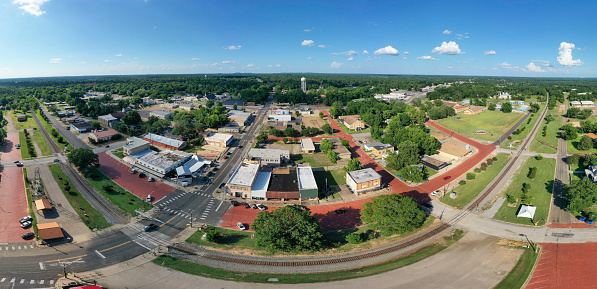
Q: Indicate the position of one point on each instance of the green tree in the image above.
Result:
(213, 236)
(570, 132)
(297, 113)
(585, 143)
(327, 128)
(470, 176)
(289, 131)
(491, 106)
(412, 174)
(393, 214)
(325, 145)
(353, 165)
(581, 195)
(285, 140)
(287, 229)
(345, 143)
(507, 107)
(321, 115)
(96, 124)
(209, 103)
(82, 157)
(131, 117)
(332, 157)
(234, 107)
(354, 238)
(573, 159)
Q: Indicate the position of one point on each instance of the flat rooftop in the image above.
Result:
(238, 114)
(244, 175)
(306, 178)
(219, 137)
(284, 179)
(133, 142)
(164, 159)
(164, 140)
(307, 144)
(262, 182)
(364, 175)
(267, 153)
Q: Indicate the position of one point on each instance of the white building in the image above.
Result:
(281, 117)
(259, 188)
(159, 163)
(268, 157)
(219, 139)
(242, 180)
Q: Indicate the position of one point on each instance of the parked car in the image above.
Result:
(589, 221)
(436, 192)
(141, 175)
(339, 211)
(56, 160)
(26, 224)
(447, 177)
(25, 219)
(150, 179)
(222, 185)
(241, 226)
(428, 205)
(150, 227)
(28, 235)
(245, 205)
(149, 198)
(253, 206)
(19, 164)
(107, 146)
(225, 157)
(16, 162)
(261, 207)
(18, 146)
(133, 171)
(234, 203)
(582, 218)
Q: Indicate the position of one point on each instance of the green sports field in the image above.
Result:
(495, 123)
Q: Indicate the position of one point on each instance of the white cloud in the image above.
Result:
(228, 62)
(118, 55)
(350, 58)
(543, 62)
(447, 32)
(55, 60)
(250, 65)
(233, 47)
(490, 52)
(32, 7)
(308, 30)
(406, 52)
(336, 64)
(404, 57)
(321, 46)
(534, 68)
(82, 62)
(426, 57)
(310, 57)
(388, 50)
(365, 52)
(107, 60)
(448, 48)
(308, 43)
(506, 65)
(350, 52)
(277, 65)
(565, 57)
(194, 58)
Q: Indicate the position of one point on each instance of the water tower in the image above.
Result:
(304, 84)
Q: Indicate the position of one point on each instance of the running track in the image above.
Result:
(325, 213)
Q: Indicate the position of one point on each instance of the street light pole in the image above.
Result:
(529, 241)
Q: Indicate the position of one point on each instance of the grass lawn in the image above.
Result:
(24, 147)
(495, 124)
(576, 177)
(41, 143)
(551, 137)
(126, 201)
(118, 152)
(573, 144)
(49, 128)
(20, 125)
(334, 177)
(216, 273)
(30, 205)
(92, 218)
(518, 139)
(540, 191)
(521, 271)
(467, 192)
(316, 160)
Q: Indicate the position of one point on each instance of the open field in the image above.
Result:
(92, 218)
(316, 160)
(551, 136)
(540, 192)
(313, 122)
(467, 192)
(495, 123)
(573, 144)
(41, 143)
(20, 125)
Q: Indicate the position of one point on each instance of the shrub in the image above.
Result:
(539, 157)
(494, 158)
(532, 173)
(470, 176)
(510, 198)
(213, 236)
(573, 159)
(67, 188)
(483, 165)
(483, 168)
(477, 170)
(489, 162)
(462, 182)
(354, 238)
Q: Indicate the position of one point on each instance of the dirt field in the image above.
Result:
(313, 122)
(293, 148)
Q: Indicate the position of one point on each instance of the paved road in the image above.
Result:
(68, 135)
(557, 212)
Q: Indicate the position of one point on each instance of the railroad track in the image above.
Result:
(393, 248)
(55, 148)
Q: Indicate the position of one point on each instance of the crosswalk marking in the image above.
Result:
(2, 280)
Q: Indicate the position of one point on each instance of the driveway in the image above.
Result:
(140, 187)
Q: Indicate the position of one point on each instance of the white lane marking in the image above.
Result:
(2, 280)
(41, 282)
(32, 282)
(12, 280)
(22, 281)
(142, 245)
(13, 247)
(41, 266)
(100, 254)
(31, 246)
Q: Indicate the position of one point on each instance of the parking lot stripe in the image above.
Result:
(2, 280)
(41, 282)
(51, 282)
(41, 266)
(19, 247)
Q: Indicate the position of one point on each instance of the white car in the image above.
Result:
(241, 226)
(150, 179)
(261, 207)
(26, 224)
(436, 192)
(148, 198)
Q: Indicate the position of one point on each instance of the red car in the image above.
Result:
(225, 157)
(447, 178)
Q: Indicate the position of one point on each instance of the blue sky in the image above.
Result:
(495, 38)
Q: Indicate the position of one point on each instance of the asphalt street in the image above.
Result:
(68, 135)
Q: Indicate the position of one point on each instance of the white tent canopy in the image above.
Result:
(527, 211)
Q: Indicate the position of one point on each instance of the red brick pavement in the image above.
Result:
(13, 204)
(325, 213)
(140, 187)
(9, 151)
(565, 266)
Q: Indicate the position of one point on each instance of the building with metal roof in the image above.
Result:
(307, 185)
(166, 142)
(160, 163)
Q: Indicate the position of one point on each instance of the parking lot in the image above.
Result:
(140, 187)
(9, 151)
(13, 204)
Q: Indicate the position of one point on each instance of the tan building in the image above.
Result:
(353, 122)
(473, 109)
(219, 139)
(186, 106)
(455, 152)
(381, 151)
(363, 180)
(133, 145)
(341, 151)
(169, 105)
(21, 117)
(242, 181)
(102, 136)
(307, 146)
